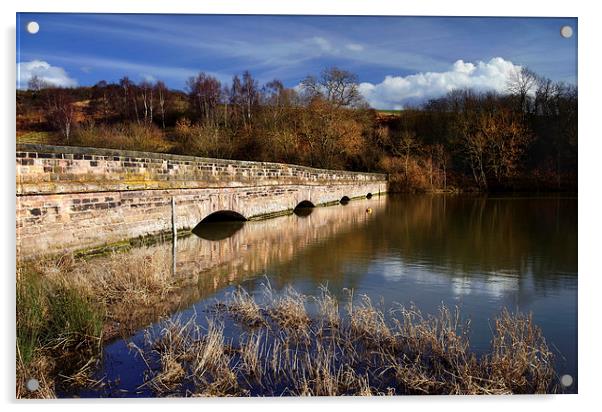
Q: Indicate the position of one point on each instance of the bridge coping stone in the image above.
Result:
(91, 151)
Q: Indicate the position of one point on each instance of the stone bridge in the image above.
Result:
(72, 198)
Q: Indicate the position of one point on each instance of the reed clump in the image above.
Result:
(361, 350)
(64, 305)
(287, 310)
(53, 318)
(243, 307)
(139, 277)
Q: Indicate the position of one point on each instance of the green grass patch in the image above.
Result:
(51, 315)
(389, 111)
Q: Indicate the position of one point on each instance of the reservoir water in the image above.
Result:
(480, 253)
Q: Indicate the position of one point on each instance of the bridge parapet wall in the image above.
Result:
(63, 169)
(71, 198)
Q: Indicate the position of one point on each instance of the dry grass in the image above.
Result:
(286, 344)
(125, 136)
(121, 284)
(244, 308)
(364, 351)
(287, 310)
(40, 368)
(517, 347)
(58, 334)
(328, 309)
(62, 304)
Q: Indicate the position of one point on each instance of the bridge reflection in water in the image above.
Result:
(222, 253)
(227, 252)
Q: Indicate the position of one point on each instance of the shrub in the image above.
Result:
(127, 136)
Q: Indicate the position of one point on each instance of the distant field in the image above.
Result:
(36, 138)
(389, 112)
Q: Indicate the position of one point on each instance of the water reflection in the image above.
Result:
(257, 246)
(217, 230)
(304, 208)
(480, 253)
(303, 211)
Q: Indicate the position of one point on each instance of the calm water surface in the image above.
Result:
(479, 253)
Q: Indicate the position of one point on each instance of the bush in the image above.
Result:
(126, 136)
(202, 140)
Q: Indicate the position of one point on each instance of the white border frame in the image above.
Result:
(589, 220)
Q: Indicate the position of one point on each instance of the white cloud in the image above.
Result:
(149, 78)
(137, 71)
(395, 92)
(57, 76)
(327, 46)
(323, 44)
(354, 47)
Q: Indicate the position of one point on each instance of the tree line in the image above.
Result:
(522, 139)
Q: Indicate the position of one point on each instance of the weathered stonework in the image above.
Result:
(252, 249)
(71, 198)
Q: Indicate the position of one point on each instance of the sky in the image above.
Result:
(399, 61)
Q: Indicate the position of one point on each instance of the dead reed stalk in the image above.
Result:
(365, 352)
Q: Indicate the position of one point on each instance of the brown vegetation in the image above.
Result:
(58, 332)
(70, 306)
(523, 139)
(364, 351)
(290, 344)
(129, 287)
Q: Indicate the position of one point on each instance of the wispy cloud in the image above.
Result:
(356, 47)
(133, 69)
(260, 47)
(175, 47)
(323, 44)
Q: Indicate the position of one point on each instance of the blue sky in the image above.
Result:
(397, 59)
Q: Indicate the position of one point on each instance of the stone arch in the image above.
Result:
(219, 225)
(304, 208)
(304, 204)
(223, 216)
(369, 196)
(344, 200)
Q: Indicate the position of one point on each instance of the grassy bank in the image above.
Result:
(66, 308)
(287, 343)
(356, 349)
(54, 322)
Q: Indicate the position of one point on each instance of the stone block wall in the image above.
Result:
(64, 169)
(77, 198)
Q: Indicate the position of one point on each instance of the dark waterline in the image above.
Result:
(479, 253)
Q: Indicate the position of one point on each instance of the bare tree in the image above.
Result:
(100, 102)
(506, 138)
(404, 147)
(161, 94)
(250, 93)
(36, 83)
(522, 84)
(340, 87)
(442, 158)
(60, 111)
(125, 85)
(146, 93)
(204, 92)
(474, 146)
